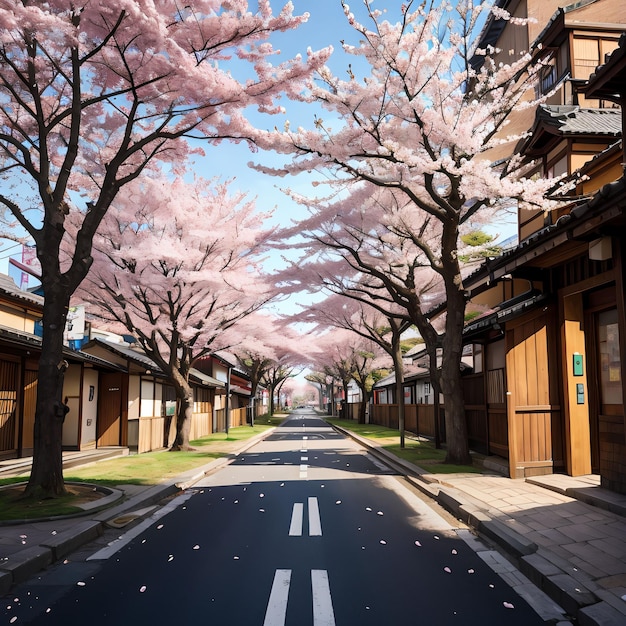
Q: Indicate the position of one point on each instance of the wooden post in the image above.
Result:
(576, 405)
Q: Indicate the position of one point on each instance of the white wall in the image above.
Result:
(90, 409)
(71, 391)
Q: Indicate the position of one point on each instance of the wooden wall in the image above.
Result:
(532, 395)
(418, 418)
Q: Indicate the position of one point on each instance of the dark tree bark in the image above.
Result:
(184, 412)
(46, 478)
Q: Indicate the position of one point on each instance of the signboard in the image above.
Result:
(75, 324)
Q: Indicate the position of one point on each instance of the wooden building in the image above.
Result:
(20, 348)
(137, 405)
(546, 391)
(552, 349)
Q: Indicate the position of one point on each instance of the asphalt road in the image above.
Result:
(303, 529)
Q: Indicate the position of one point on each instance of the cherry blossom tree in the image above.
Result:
(177, 266)
(266, 342)
(344, 357)
(92, 94)
(370, 321)
(318, 381)
(274, 378)
(406, 157)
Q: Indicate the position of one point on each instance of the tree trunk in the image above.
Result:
(184, 415)
(457, 443)
(399, 367)
(46, 478)
(363, 405)
(400, 400)
(272, 390)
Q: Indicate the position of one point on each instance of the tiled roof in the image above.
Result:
(142, 359)
(608, 79)
(605, 205)
(129, 353)
(8, 287)
(573, 120)
(205, 378)
(22, 339)
(555, 122)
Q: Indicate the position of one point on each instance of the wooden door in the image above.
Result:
(606, 397)
(532, 404)
(30, 406)
(8, 405)
(110, 410)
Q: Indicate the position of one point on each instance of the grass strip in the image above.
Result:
(146, 469)
(420, 452)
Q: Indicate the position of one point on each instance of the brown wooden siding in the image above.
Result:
(151, 433)
(30, 405)
(110, 410)
(8, 406)
(416, 417)
(238, 417)
(531, 407)
(476, 412)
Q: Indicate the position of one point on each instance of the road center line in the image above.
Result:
(323, 614)
(295, 528)
(315, 523)
(277, 605)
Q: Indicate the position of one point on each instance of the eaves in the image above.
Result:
(582, 224)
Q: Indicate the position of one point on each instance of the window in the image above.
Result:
(548, 76)
(586, 57)
(478, 358)
(146, 407)
(610, 361)
(408, 395)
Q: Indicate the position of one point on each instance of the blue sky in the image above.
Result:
(326, 26)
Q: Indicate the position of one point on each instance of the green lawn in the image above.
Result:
(422, 453)
(156, 467)
(140, 469)
(14, 507)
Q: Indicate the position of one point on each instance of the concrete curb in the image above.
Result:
(24, 564)
(569, 593)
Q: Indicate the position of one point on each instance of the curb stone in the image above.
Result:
(27, 562)
(24, 564)
(600, 614)
(579, 602)
(62, 544)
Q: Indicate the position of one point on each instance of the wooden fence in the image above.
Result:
(419, 419)
(238, 417)
(152, 430)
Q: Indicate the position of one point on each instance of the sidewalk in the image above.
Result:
(26, 548)
(566, 535)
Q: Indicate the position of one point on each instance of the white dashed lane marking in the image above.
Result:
(295, 528)
(277, 605)
(315, 522)
(323, 613)
(297, 519)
